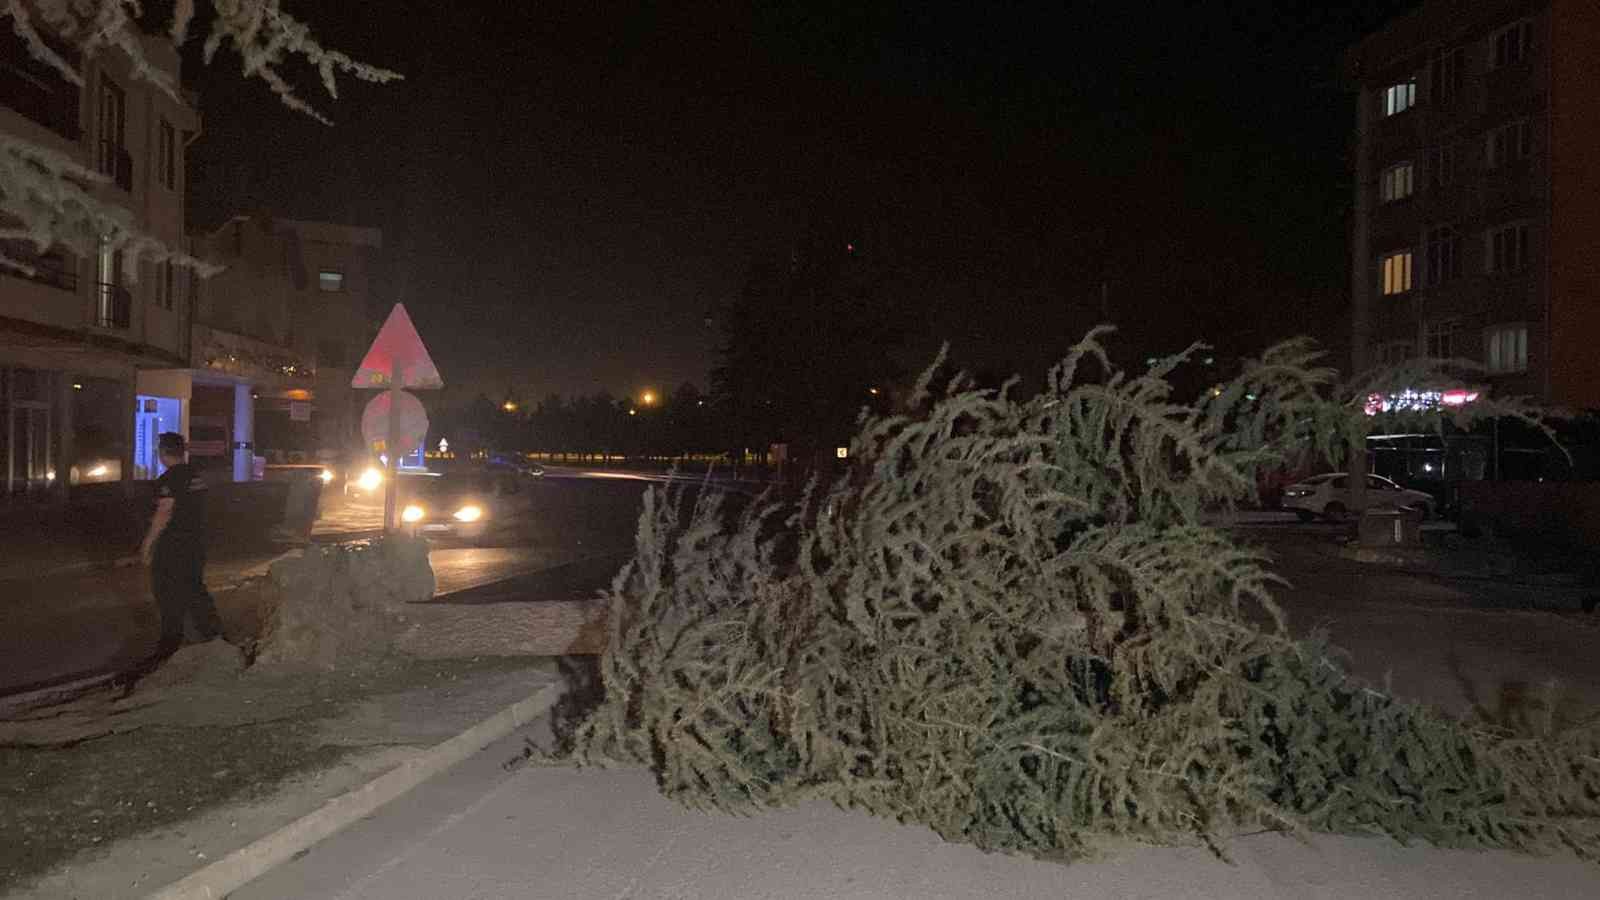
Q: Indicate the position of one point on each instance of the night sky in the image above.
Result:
(566, 189)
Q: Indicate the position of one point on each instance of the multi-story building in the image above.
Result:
(277, 337)
(1477, 225)
(77, 334)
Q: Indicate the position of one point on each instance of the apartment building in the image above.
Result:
(277, 337)
(1477, 231)
(77, 333)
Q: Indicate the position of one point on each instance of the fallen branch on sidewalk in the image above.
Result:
(1008, 625)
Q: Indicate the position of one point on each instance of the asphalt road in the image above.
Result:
(56, 629)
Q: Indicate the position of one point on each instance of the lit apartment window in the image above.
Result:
(1507, 249)
(1444, 254)
(1397, 98)
(1396, 182)
(1441, 166)
(167, 156)
(1447, 76)
(1510, 45)
(330, 282)
(1441, 339)
(1506, 348)
(1508, 144)
(1395, 269)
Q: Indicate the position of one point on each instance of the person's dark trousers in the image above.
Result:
(177, 578)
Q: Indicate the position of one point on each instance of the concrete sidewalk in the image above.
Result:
(481, 832)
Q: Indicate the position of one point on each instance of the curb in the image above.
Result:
(257, 858)
(341, 537)
(62, 691)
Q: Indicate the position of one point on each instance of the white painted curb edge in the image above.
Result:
(253, 860)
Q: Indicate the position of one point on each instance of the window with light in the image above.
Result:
(1397, 98)
(1395, 270)
(1506, 348)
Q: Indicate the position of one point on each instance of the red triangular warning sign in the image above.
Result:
(397, 355)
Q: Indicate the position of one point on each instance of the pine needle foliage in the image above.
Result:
(1009, 624)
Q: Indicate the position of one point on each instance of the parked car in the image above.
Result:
(1330, 496)
(467, 505)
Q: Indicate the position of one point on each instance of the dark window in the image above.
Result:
(330, 354)
(1442, 339)
(1396, 182)
(112, 158)
(1444, 254)
(166, 285)
(1509, 144)
(1447, 76)
(35, 89)
(167, 156)
(1508, 248)
(1441, 166)
(1395, 352)
(1510, 45)
(54, 267)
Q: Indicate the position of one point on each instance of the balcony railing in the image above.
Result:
(115, 161)
(113, 306)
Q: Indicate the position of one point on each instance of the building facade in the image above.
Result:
(282, 328)
(77, 334)
(1476, 233)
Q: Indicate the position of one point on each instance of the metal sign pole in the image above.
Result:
(391, 487)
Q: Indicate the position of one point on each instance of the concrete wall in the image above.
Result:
(253, 295)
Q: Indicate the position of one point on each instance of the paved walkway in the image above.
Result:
(483, 833)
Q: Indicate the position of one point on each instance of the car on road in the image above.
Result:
(509, 462)
(467, 505)
(1330, 496)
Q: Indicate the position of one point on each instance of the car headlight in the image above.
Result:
(411, 514)
(369, 480)
(326, 475)
(469, 514)
(1297, 493)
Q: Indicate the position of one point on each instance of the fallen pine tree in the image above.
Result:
(1009, 624)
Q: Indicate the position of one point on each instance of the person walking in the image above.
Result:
(174, 549)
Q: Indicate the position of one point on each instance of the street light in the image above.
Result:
(509, 406)
(648, 398)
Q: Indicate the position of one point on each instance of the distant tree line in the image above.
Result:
(597, 426)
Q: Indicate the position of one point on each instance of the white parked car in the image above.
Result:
(1330, 495)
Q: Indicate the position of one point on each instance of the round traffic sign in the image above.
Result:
(413, 422)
